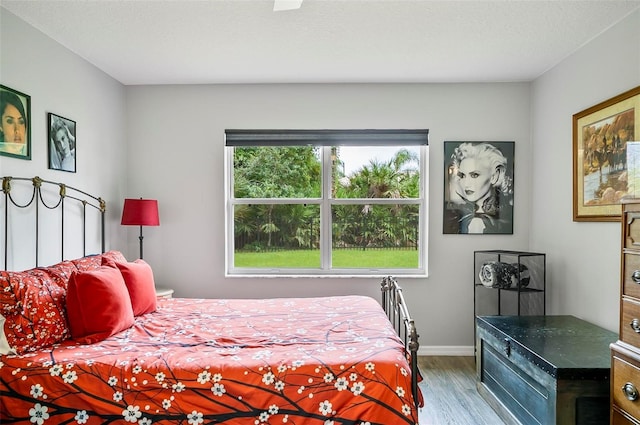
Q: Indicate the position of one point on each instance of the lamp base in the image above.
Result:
(140, 237)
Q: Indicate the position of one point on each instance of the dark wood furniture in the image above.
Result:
(544, 369)
(625, 353)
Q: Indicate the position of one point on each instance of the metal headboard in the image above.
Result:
(397, 311)
(65, 193)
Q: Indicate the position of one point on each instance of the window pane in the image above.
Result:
(375, 236)
(277, 172)
(376, 171)
(277, 236)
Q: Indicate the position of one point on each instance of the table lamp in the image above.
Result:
(140, 212)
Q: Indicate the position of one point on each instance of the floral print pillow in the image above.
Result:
(37, 319)
(93, 262)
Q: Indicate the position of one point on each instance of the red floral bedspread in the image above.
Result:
(331, 360)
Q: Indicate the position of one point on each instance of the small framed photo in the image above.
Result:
(62, 143)
(478, 187)
(15, 127)
(600, 137)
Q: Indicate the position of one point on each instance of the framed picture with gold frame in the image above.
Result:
(600, 135)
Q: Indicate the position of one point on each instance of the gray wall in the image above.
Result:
(59, 81)
(583, 257)
(166, 142)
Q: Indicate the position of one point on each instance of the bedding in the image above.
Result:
(329, 360)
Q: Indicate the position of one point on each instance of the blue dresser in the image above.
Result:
(544, 369)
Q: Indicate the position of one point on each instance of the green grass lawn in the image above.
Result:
(342, 258)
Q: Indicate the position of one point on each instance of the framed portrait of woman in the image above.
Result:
(478, 187)
(62, 143)
(15, 127)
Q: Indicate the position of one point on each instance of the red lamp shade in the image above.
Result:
(140, 212)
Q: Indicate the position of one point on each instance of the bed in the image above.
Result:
(324, 360)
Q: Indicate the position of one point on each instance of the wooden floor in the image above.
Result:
(449, 391)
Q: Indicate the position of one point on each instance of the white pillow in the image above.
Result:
(5, 348)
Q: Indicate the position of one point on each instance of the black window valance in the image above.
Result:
(326, 137)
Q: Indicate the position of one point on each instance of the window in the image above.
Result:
(326, 202)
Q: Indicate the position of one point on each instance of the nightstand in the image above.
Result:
(164, 293)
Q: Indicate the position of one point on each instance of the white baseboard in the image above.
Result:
(445, 350)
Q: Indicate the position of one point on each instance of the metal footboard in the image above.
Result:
(397, 311)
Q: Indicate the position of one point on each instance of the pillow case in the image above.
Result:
(92, 262)
(98, 304)
(12, 288)
(115, 256)
(138, 277)
(33, 305)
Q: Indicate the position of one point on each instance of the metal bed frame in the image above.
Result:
(65, 192)
(393, 301)
(397, 311)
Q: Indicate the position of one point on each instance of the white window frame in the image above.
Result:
(304, 137)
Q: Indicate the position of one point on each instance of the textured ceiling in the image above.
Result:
(242, 41)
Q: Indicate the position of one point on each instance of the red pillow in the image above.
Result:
(98, 304)
(138, 277)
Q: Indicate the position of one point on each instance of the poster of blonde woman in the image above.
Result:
(62, 143)
(15, 132)
(478, 196)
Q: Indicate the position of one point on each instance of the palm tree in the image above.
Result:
(396, 178)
